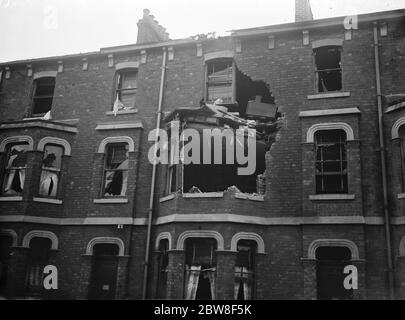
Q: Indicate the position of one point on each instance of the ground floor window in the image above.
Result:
(331, 262)
(104, 269)
(38, 259)
(200, 272)
(162, 267)
(245, 270)
(5, 252)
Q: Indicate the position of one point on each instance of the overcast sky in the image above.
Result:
(40, 28)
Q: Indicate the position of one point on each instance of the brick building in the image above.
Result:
(327, 100)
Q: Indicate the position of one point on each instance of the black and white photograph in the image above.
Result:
(217, 151)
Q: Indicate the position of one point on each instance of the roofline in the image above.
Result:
(314, 24)
(238, 33)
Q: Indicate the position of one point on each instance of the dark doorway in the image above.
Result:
(6, 243)
(104, 272)
(331, 262)
(38, 259)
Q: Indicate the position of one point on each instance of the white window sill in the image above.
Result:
(245, 196)
(10, 199)
(329, 95)
(332, 197)
(203, 195)
(47, 200)
(111, 201)
(167, 198)
(111, 113)
(401, 196)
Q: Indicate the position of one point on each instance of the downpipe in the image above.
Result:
(153, 183)
(383, 159)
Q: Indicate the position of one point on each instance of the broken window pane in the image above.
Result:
(126, 89)
(220, 81)
(14, 174)
(43, 96)
(116, 170)
(51, 166)
(331, 163)
(328, 69)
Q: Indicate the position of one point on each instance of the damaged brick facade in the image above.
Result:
(287, 219)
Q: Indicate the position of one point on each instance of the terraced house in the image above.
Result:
(326, 102)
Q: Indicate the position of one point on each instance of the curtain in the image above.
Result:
(242, 278)
(211, 276)
(13, 182)
(193, 276)
(48, 184)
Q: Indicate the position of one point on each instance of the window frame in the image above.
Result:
(105, 170)
(49, 169)
(35, 96)
(342, 160)
(316, 71)
(4, 169)
(117, 92)
(402, 150)
(233, 81)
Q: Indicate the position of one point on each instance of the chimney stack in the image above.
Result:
(149, 30)
(303, 11)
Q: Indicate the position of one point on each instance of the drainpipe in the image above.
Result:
(153, 183)
(383, 160)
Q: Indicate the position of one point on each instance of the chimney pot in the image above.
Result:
(146, 12)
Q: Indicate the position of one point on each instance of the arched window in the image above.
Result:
(51, 170)
(38, 259)
(331, 162)
(162, 267)
(200, 268)
(245, 269)
(15, 169)
(402, 138)
(115, 176)
(44, 88)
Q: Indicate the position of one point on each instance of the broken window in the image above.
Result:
(43, 95)
(328, 68)
(200, 269)
(116, 170)
(245, 270)
(163, 264)
(125, 94)
(6, 243)
(331, 162)
(220, 81)
(38, 258)
(51, 166)
(14, 173)
(402, 138)
(171, 181)
(330, 277)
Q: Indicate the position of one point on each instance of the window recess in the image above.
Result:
(328, 69)
(15, 169)
(331, 162)
(115, 177)
(51, 170)
(125, 92)
(43, 95)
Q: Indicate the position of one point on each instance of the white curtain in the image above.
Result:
(211, 276)
(10, 177)
(192, 276)
(49, 183)
(242, 278)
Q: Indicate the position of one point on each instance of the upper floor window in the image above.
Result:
(15, 166)
(331, 162)
(116, 170)
(402, 137)
(125, 92)
(328, 68)
(51, 168)
(220, 80)
(43, 95)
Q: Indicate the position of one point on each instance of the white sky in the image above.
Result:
(40, 28)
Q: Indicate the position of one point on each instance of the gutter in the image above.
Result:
(154, 169)
(383, 159)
